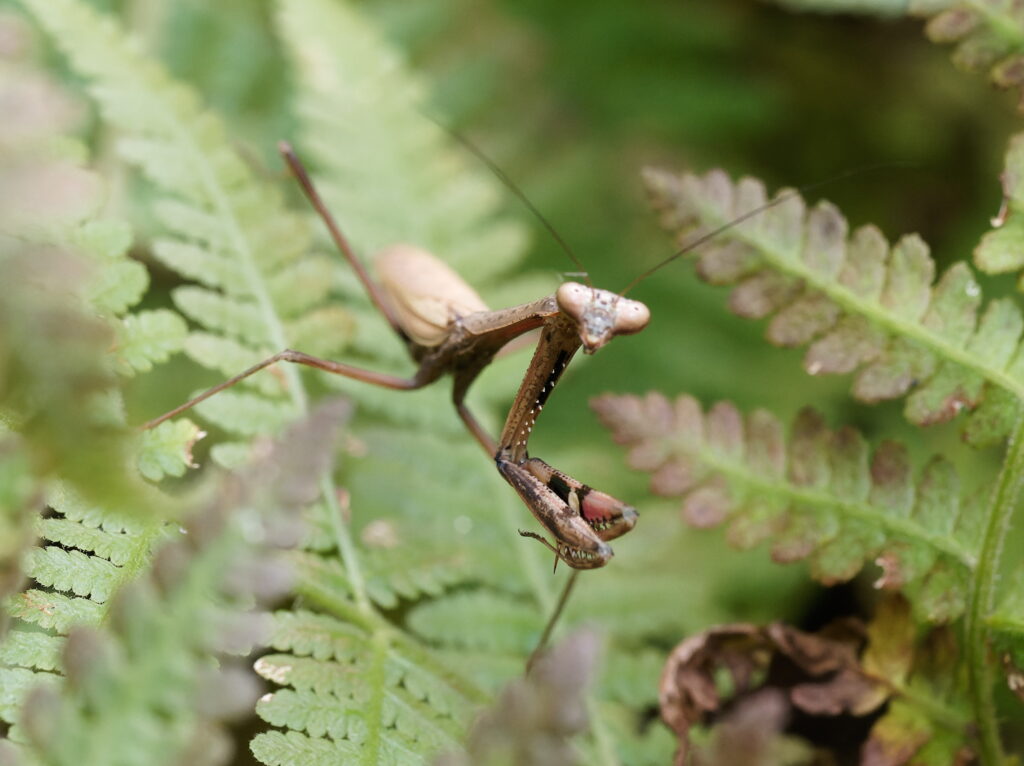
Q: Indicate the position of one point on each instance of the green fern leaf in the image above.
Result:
(53, 611)
(148, 337)
(152, 660)
(822, 497)
(72, 571)
(403, 707)
(228, 230)
(114, 547)
(451, 621)
(860, 304)
(167, 449)
(277, 748)
(65, 330)
(255, 245)
(31, 649)
(15, 684)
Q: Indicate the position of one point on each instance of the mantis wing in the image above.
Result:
(426, 294)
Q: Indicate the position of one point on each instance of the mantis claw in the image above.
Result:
(576, 541)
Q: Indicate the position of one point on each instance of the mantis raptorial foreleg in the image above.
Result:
(448, 329)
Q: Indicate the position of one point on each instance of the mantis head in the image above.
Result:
(600, 314)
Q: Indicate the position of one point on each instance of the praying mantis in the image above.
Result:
(448, 329)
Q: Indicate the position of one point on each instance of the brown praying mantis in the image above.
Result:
(448, 329)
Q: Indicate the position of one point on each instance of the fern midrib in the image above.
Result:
(296, 390)
(375, 710)
(374, 624)
(818, 501)
(873, 311)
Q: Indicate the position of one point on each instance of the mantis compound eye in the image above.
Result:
(600, 314)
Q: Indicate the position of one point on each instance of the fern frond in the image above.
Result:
(166, 623)
(65, 332)
(820, 497)
(861, 304)
(226, 229)
(89, 551)
(31, 649)
(72, 571)
(53, 611)
(390, 175)
(401, 708)
(67, 325)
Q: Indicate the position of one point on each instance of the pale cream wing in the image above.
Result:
(426, 293)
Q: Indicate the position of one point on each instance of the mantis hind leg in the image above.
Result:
(422, 377)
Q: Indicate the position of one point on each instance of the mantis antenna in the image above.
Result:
(502, 176)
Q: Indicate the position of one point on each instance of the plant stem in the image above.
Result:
(981, 598)
(553, 619)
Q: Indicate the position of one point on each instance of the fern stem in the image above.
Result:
(344, 542)
(330, 601)
(981, 598)
(257, 287)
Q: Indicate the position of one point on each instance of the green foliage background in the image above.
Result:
(572, 99)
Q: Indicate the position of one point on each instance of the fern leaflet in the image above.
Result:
(822, 497)
(861, 304)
